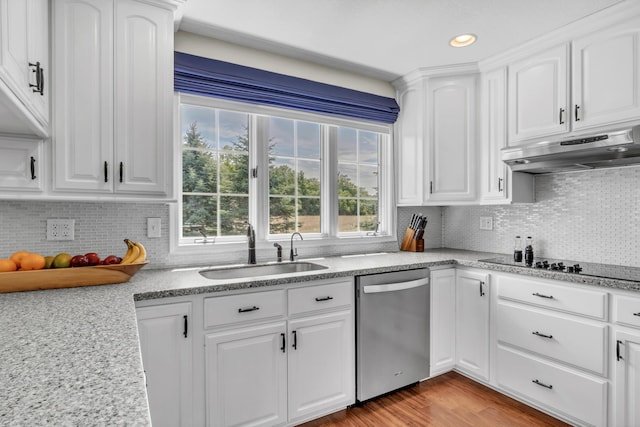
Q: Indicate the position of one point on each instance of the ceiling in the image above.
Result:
(384, 39)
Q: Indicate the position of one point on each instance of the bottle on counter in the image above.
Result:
(528, 251)
(517, 250)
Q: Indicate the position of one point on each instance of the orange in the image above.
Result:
(17, 257)
(32, 262)
(7, 265)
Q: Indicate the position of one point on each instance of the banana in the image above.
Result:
(133, 252)
(136, 253)
(142, 256)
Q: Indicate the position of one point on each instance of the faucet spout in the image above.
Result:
(251, 240)
(294, 253)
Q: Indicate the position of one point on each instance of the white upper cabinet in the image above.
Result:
(24, 67)
(606, 76)
(113, 103)
(435, 139)
(539, 95)
(451, 139)
(498, 185)
(20, 166)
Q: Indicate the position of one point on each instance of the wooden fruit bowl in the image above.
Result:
(71, 277)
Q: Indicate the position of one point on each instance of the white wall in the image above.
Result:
(228, 52)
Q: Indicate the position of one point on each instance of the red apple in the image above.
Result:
(93, 258)
(111, 259)
(79, 261)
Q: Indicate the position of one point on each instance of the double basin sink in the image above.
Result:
(253, 271)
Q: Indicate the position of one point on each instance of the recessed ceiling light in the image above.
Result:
(463, 40)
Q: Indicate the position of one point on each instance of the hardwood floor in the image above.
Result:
(447, 400)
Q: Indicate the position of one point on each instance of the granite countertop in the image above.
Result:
(71, 356)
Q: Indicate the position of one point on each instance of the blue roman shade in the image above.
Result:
(210, 77)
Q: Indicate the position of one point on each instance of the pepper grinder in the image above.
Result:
(517, 250)
(528, 251)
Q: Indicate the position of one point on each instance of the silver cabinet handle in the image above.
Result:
(390, 287)
(542, 335)
(535, 294)
(327, 298)
(246, 310)
(562, 116)
(481, 290)
(577, 108)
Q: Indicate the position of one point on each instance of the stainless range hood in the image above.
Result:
(619, 148)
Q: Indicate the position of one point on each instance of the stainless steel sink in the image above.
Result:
(252, 271)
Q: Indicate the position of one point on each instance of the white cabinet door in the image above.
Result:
(143, 97)
(498, 185)
(627, 379)
(246, 376)
(472, 323)
(443, 321)
(539, 95)
(321, 364)
(83, 105)
(451, 139)
(24, 61)
(166, 345)
(411, 166)
(112, 57)
(606, 76)
(21, 164)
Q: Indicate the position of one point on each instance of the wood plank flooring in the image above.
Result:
(449, 400)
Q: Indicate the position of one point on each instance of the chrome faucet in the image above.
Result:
(251, 238)
(279, 249)
(293, 254)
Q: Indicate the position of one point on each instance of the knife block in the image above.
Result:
(410, 243)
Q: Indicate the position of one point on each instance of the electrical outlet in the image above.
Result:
(60, 229)
(486, 223)
(153, 227)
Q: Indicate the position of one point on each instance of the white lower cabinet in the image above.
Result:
(472, 323)
(268, 364)
(321, 374)
(246, 376)
(166, 345)
(626, 361)
(443, 321)
(566, 392)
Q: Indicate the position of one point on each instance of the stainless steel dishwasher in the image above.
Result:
(392, 331)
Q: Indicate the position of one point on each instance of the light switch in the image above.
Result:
(153, 227)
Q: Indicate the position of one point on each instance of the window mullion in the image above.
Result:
(259, 188)
(329, 184)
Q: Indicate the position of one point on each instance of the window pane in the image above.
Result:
(281, 137)
(309, 215)
(309, 140)
(234, 215)
(358, 180)
(347, 180)
(368, 181)
(282, 212)
(308, 178)
(234, 173)
(199, 213)
(198, 127)
(282, 178)
(234, 131)
(347, 144)
(199, 171)
(347, 215)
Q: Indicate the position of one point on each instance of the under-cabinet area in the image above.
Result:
(286, 354)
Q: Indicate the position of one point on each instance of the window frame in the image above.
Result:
(258, 188)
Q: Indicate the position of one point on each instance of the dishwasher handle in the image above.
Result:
(391, 287)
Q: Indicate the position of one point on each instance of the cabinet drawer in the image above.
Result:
(627, 311)
(574, 342)
(242, 308)
(568, 392)
(557, 297)
(320, 297)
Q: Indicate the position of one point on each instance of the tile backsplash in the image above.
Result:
(589, 216)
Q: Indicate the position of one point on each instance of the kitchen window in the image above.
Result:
(282, 171)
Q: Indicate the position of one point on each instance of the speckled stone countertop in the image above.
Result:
(70, 357)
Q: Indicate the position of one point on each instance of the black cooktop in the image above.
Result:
(607, 271)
